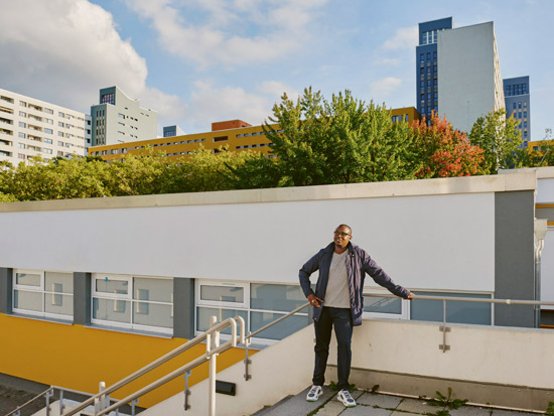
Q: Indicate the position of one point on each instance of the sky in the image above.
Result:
(199, 61)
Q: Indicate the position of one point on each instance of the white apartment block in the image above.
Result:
(468, 74)
(30, 127)
(120, 119)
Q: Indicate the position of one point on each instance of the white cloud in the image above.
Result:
(232, 33)
(64, 51)
(210, 103)
(384, 87)
(384, 61)
(275, 90)
(403, 38)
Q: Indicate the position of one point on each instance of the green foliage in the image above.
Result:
(446, 402)
(500, 139)
(343, 140)
(314, 141)
(550, 409)
(541, 155)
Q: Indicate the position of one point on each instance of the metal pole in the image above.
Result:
(62, 405)
(49, 394)
(213, 363)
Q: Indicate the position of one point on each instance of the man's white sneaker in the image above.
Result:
(314, 394)
(346, 399)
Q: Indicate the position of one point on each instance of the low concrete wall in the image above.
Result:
(502, 366)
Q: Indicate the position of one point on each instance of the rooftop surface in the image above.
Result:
(374, 404)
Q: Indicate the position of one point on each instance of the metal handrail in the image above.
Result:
(163, 359)
(444, 299)
(232, 342)
(276, 321)
(466, 299)
(38, 396)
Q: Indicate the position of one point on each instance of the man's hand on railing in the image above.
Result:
(314, 300)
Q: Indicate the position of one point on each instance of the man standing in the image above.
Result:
(338, 302)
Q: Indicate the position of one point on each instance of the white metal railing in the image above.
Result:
(444, 299)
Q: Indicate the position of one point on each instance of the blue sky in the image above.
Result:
(198, 61)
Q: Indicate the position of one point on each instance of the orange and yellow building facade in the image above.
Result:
(235, 135)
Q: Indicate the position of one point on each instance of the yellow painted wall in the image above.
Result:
(79, 357)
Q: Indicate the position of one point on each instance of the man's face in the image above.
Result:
(342, 237)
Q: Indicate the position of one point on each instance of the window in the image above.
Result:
(456, 312)
(143, 303)
(258, 303)
(46, 294)
(384, 307)
(48, 131)
(22, 124)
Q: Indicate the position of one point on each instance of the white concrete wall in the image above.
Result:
(468, 74)
(483, 354)
(437, 240)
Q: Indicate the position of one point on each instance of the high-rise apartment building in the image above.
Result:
(427, 65)
(30, 127)
(518, 104)
(458, 72)
(119, 119)
(469, 79)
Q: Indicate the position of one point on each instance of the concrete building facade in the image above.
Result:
(119, 119)
(518, 104)
(427, 65)
(470, 84)
(30, 127)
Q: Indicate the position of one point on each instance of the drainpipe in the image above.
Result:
(541, 228)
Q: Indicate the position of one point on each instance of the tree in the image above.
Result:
(442, 151)
(500, 139)
(343, 140)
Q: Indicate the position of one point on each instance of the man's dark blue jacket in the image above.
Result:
(358, 263)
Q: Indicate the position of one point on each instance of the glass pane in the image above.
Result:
(112, 286)
(58, 303)
(203, 317)
(31, 301)
(58, 282)
(276, 297)
(29, 279)
(280, 330)
(456, 312)
(111, 310)
(152, 314)
(222, 293)
(382, 305)
(159, 290)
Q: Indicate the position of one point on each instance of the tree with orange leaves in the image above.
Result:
(442, 151)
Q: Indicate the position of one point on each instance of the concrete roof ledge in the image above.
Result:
(514, 181)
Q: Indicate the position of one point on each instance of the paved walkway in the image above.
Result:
(372, 404)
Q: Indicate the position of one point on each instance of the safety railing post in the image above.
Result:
(247, 360)
(213, 364)
(62, 403)
(100, 401)
(187, 391)
(47, 396)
